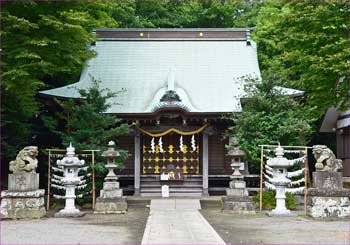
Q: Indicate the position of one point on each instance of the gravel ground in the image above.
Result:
(259, 228)
(129, 228)
(90, 229)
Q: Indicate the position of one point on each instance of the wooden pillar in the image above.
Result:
(137, 142)
(205, 167)
(48, 182)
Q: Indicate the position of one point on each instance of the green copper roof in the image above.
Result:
(205, 74)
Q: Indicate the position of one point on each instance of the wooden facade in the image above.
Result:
(219, 163)
(343, 148)
(339, 123)
(143, 167)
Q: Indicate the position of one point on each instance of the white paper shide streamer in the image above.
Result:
(181, 144)
(160, 144)
(193, 143)
(153, 148)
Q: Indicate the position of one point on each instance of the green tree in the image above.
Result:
(196, 14)
(83, 122)
(44, 46)
(307, 45)
(269, 116)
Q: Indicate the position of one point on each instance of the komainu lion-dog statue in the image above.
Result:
(325, 159)
(25, 160)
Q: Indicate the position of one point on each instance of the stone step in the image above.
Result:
(157, 179)
(190, 194)
(155, 183)
(171, 185)
(150, 185)
(171, 190)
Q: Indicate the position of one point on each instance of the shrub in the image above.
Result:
(269, 200)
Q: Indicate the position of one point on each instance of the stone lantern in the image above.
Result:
(111, 196)
(71, 166)
(237, 198)
(237, 184)
(111, 184)
(280, 164)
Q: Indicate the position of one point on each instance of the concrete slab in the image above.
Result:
(178, 221)
(175, 204)
(187, 204)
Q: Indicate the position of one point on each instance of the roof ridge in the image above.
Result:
(175, 29)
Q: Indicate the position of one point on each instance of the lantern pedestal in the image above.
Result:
(111, 200)
(111, 205)
(281, 209)
(237, 199)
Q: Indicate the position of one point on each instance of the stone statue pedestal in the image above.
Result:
(327, 180)
(23, 199)
(327, 198)
(23, 182)
(22, 204)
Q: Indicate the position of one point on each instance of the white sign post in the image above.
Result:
(165, 191)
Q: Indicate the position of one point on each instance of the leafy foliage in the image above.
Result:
(86, 127)
(84, 124)
(269, 200)
(307, 45)
(44, 45)
(269, 117)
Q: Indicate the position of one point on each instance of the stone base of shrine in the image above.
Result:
(111, 205)
(325, 203)
(238, 204)
(22, 204)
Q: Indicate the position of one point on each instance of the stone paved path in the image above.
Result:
(178, 221)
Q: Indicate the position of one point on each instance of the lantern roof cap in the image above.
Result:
(111, 152)
(236, 152)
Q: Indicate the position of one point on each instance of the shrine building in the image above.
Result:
(177, 85)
